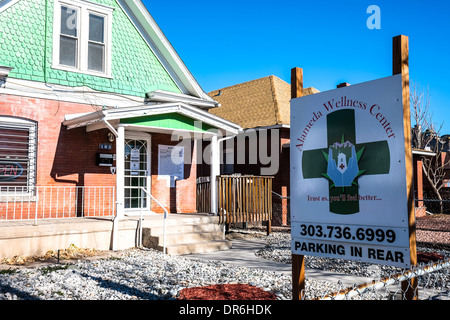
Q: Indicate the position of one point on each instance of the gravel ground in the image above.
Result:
(147, 274)
(130, 275)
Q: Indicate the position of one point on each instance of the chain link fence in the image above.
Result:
(281, 213)
(429, 280)
(433, 204)
(426, 281)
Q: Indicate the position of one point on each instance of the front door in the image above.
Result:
(137, 173)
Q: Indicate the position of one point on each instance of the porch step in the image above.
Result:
(186, 235)
(184, 228)
(177, 238)
(199, 247)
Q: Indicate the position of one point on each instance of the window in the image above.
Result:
(82, 33)
(68, 40)
(96, 46)
(18, 145)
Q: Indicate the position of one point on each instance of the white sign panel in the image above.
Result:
(348, 174)
(134, 161)
(171, 163)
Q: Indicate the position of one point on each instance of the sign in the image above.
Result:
(348, 174)
(10, 170)
(171, 163)
(134, 162)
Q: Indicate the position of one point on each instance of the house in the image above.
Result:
(433, 161)
(262, 108)
(98, 113)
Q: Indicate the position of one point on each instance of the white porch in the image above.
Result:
(179, 120)
(123, 122)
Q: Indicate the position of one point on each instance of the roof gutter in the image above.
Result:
(424, 153)
(165, 96)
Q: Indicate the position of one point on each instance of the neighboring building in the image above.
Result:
(435, 159)
(93, 95)
(262, 108)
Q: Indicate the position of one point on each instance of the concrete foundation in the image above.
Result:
(23, 238)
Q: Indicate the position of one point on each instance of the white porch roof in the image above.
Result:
(110, 117)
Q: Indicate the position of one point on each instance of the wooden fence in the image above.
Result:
(240, 198)
(244, 199)
(203, 195)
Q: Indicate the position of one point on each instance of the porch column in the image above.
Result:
(419, 183)
(215, 171)
(120, 171)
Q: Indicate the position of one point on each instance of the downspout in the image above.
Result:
(226, 138)
(218, 143)
(115, 220)
(110, 127)
(215, 170)
(45, 42)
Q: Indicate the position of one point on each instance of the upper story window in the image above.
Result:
(82, 37)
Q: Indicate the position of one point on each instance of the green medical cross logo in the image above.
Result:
(372, 158)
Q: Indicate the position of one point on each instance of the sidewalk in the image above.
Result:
(242, 254)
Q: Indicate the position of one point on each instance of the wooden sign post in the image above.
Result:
(400, 65)
(298, 261)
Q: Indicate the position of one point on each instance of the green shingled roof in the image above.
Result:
(26, 45)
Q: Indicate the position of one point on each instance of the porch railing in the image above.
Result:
(203, 194)
(244, 198)
(165, 215)
(49, 202)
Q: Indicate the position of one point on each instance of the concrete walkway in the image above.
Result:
(242, 254)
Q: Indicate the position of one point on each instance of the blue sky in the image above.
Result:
(228, 42)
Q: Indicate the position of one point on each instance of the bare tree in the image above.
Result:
(426, 136)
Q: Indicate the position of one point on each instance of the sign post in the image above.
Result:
(351, 172)
(400, 66)
(298, 261)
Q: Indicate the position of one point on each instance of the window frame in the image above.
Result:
(77, 37)
(32, 129)
(103, 44)
(85, 8)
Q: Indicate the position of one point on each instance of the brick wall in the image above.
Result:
(64, 157)
(68, 157)
(182, 198)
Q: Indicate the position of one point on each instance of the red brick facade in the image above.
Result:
(68, 157)
(182, 198)
(64, 157)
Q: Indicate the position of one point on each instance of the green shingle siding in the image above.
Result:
(135, 68)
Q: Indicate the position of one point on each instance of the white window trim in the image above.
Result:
(84, 8)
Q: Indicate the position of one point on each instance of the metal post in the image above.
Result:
(215, 171)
